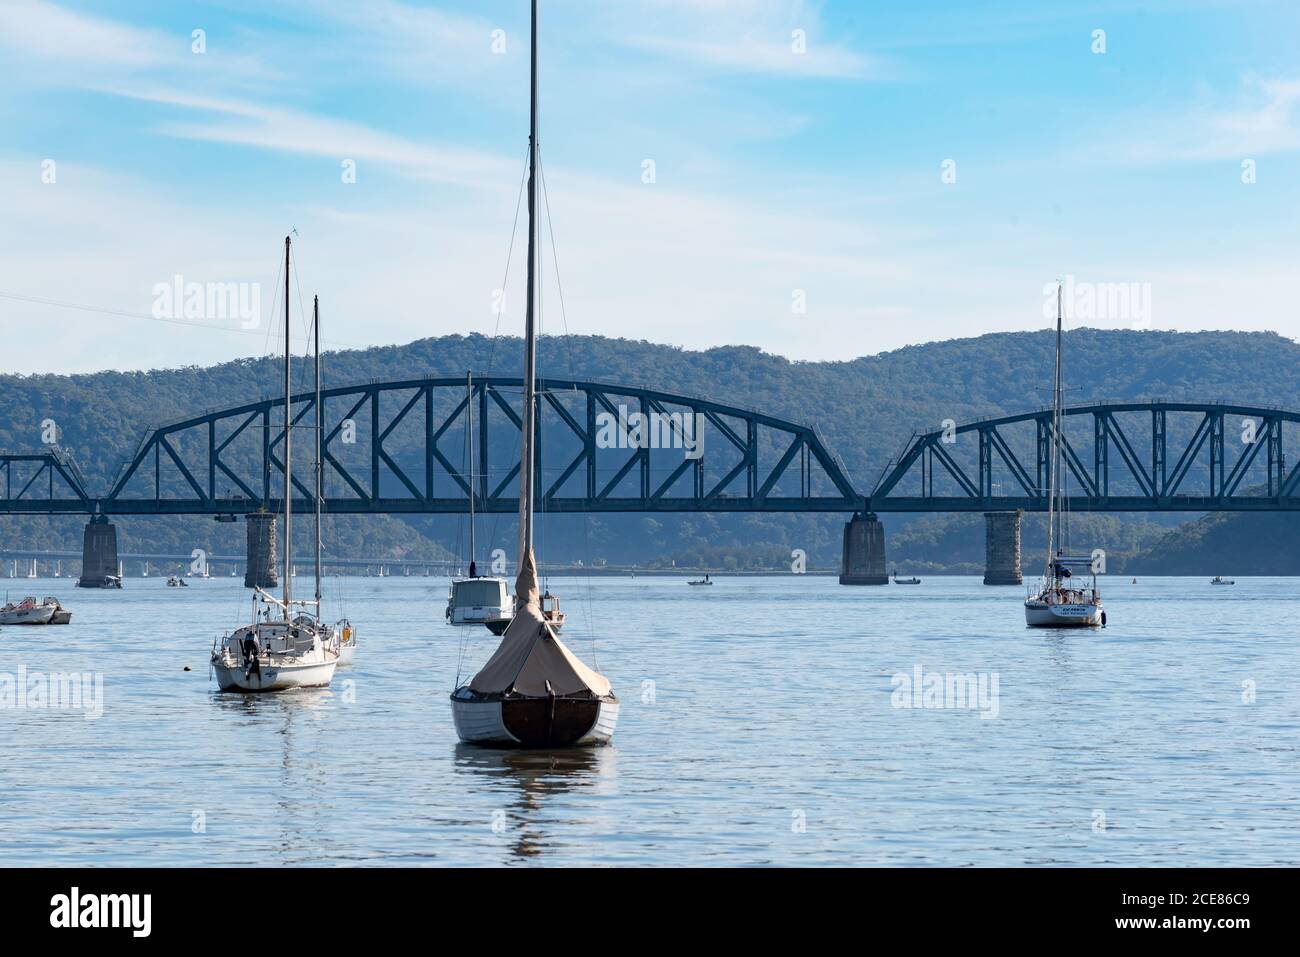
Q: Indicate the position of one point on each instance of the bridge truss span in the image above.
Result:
(1136, 456)
(401, 447)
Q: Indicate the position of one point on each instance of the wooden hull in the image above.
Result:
(535, 722)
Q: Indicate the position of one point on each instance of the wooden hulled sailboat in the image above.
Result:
(533, 691)
(1060, 601)
(280, 649)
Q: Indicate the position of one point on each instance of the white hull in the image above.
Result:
(40, 615)
(478, 615)
(273, 677)
(481, 722)
(1042, 615)
(347, 653)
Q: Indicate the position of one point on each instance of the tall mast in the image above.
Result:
(469, 457)
(315, 323)
(530, 327)
(288, 446)
(1054, 465)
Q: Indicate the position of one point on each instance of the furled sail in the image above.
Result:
(531, 660)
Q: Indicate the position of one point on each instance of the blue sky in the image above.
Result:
(798, 201)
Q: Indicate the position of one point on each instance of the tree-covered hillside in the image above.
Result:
(864, 408)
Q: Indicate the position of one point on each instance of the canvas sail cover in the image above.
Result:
(530, 656)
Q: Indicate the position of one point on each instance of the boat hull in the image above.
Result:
(1043, 615)
(273, 677)
(40, 615)
(520, 722)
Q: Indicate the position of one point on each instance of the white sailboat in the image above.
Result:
(533, 691)
(1058, 602)
(341, 635)
(475, 599)
(285, 646)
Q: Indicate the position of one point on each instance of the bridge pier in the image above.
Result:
(1002, 548)
(863, 560)
(99, 561)
(260, 569)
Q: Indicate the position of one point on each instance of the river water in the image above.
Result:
(765, 720)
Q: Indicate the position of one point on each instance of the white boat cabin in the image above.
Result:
(476, 601)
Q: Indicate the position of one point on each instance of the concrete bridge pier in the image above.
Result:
(1002, 548)
(863, 561)
(260, 569)
(98, 553)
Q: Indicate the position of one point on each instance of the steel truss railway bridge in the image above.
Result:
(407, 447)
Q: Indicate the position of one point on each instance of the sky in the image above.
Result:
(821, 180)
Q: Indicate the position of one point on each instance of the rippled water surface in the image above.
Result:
(759, 726)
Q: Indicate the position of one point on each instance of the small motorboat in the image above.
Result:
(175, 582)
(550, 611)
(29, 612)
(1220, 580)
(701, 581)
(905, 581)
(61, 615)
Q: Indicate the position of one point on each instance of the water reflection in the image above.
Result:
(536, 779)
(287, 731)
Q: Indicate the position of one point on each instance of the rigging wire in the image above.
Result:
(573, 374)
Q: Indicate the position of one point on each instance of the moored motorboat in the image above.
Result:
(29, 611)
(61, 615)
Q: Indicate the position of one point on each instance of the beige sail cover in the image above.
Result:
(530, 655)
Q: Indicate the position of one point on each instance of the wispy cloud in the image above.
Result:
(251, 124)
(1262, 117)
(748, 36)
(38, 29)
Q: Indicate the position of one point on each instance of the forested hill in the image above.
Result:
(864, 408)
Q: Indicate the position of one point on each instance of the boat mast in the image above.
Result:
(469, 457)
(315, 323)
(288, 446)
(1054, 465)
(530, 328)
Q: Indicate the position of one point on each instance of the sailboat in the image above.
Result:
(533, 691)
(475, 600)
(341, 635)
(280, 649)
(1058, 602)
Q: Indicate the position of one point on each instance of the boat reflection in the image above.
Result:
(537, 778)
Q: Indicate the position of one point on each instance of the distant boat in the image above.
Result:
(1220, 580)
(29, 611)
(701, 581)
(906, 581)
(1058, 602)
(475, 600)
(175, 582)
